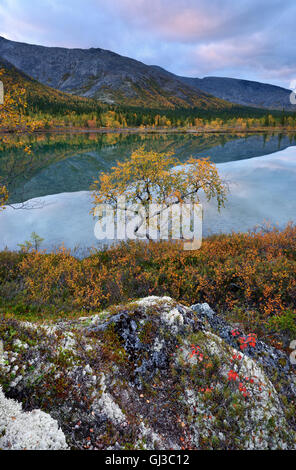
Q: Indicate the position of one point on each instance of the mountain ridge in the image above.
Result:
(240, 91)
(115, 79)
(104, 75)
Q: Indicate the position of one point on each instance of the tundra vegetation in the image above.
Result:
(248, 277)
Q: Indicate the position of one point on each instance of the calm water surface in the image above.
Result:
(66, 163)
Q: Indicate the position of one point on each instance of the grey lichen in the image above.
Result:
(33, 430)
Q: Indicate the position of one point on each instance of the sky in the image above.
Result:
(250, 39)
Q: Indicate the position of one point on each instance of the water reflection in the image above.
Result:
(70, 162)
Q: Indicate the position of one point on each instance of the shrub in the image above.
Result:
(252, 273)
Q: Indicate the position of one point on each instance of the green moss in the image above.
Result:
(112, 346)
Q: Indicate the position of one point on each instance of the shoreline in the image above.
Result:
(137, 130)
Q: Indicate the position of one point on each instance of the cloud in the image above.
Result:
(249, 38)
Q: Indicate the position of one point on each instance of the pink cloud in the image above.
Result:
(182, 20)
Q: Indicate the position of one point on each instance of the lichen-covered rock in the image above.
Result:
(276, 363)
(33, 430)
(152, 374)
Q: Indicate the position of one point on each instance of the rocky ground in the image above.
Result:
(152, 374)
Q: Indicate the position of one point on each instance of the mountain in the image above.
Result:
(114, 79)
(44, 95)
(106, 76)
(242, 92)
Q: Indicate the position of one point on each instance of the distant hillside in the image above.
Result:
(106, 76)
(41, 96)
(243, 92)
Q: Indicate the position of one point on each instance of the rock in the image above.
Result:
(35, 430)
(152, 374)
(274, 362)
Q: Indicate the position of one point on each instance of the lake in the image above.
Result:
(260, 170)
(70, 162)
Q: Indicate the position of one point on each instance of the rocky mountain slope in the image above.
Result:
(42, 94)
(152, 374)
(112, 78)
(104, 75)
(243, 92)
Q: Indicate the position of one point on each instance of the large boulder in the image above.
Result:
(152, 374)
